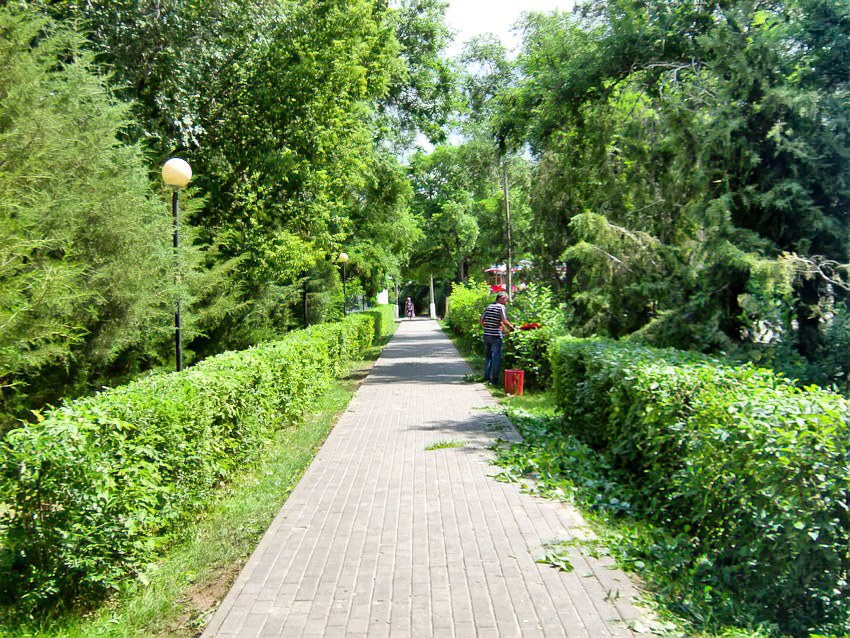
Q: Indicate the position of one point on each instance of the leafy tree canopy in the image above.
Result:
(86, 274)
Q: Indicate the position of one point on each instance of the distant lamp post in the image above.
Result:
(176, 173)
(395, 283)
(433, 306)
(343, 259)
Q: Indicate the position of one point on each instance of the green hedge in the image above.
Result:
(384, 318)
(91, 491)
(466, 305)
(755, 471)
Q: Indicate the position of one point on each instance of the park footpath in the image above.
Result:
(384, 537)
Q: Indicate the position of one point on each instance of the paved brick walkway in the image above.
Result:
(385, 538)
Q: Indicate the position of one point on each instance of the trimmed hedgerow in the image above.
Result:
(384, 316)
(94, 488)
(755, 471)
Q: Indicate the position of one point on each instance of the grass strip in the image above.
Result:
(177, 594)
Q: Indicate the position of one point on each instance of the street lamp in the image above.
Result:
(343, 259)
(176, 173)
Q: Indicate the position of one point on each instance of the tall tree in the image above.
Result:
(86, 268)
(458, 199)
(716, 127)
(285, 110)
(422, 95)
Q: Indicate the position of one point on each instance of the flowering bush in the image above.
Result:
(533, 309)
(542, 321)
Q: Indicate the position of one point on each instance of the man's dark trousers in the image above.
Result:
(492, 358)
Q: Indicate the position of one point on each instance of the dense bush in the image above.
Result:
(92, 489)
(528, 349)
(465, 306)
(755, 471)
(832, 365)
(87, 268)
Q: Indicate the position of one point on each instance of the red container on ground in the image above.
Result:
(513, 381)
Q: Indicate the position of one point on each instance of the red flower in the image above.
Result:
(529, 326)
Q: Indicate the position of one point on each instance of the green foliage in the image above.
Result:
(564, 468)
(487, 72)
(748, 466)
(528, 349)
(282, 109)
(524, 349)
(423, 93)
(557, 554)
(447, 200)
(87, 273)
(293, 167)
(832, 365)
(94, 488)
(384, 317)
(386, 229)
(685, 149)
(466, 305)
(175, 61)
(459, 203)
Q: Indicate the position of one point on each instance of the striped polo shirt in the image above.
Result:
(493, 315)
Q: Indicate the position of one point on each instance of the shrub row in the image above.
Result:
(754, 471)
(94, 488)
(384, 318)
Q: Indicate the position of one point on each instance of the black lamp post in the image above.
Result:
(176, 173)
(343, 259)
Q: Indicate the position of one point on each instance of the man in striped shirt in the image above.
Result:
(495, 322)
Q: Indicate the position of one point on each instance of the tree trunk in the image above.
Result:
(304, 303)
(808, 323)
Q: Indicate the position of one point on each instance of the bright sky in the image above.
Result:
(474, 17)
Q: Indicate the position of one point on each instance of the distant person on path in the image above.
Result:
(408, 308)
(495, 322)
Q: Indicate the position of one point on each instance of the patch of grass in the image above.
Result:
(467, 349)
(538, 403)
(177, 594)
(442, 445)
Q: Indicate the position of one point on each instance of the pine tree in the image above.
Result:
(86, 269)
